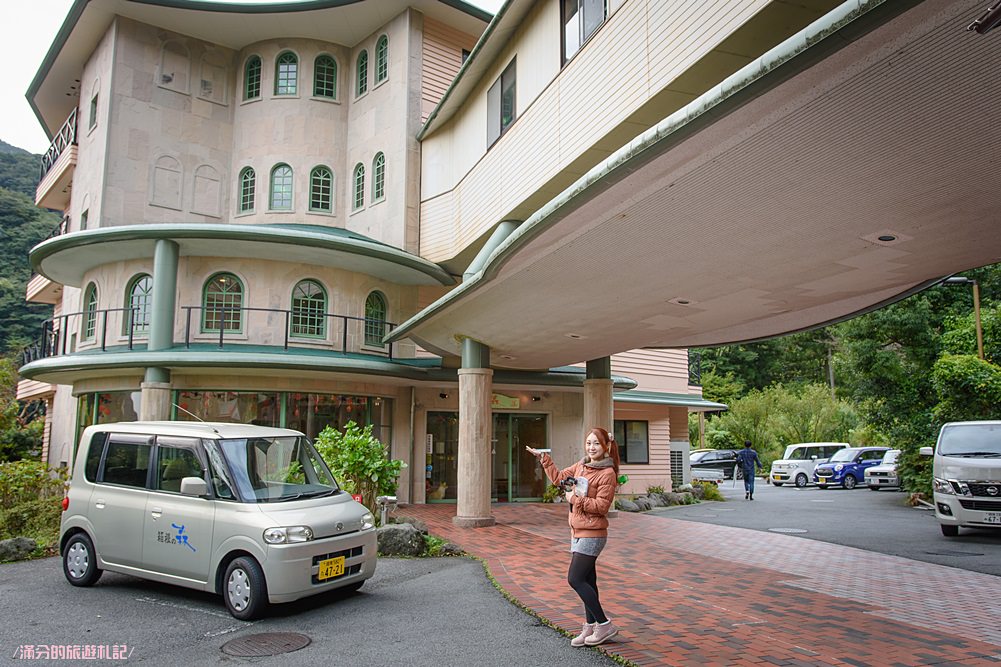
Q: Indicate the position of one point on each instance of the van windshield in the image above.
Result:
(268, 470)
(971, 440)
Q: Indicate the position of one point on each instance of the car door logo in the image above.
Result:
(180, 538)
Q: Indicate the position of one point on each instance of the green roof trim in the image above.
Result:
(661, 398)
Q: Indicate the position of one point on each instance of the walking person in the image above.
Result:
(595, 478)
(747, 458)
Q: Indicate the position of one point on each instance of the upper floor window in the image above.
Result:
(379, 177)
(358, 199)
(222, 303)
(90, 312)
(92, 118)
(501, 103)
(281, 188)
(321, 186)
(309, 309)
(138, 301)
(375, 319)
(252, 78)
(248, 184)
(325, 77)
(581, 18)
(286, 74)
(361, 79)
(381, 59)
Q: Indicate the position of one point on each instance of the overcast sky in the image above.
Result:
(27, 28)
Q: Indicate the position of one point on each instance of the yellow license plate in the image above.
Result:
(330, 568)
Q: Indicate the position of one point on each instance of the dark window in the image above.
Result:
(139, 301)
(581, 19)
(94, 455)
(382, 59)
(126, 461)
(375, 319)
(92, 122)
(174, 464)
(248, 183)
(501, 101)
(361, 74)
(633, 440)
(252, 78)
(325, 77)
(222, 303)
(465, 56)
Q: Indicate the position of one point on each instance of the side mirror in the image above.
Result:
(194, 486)
(927, 451)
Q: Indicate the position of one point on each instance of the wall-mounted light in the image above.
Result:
(536, 398)
(442, 395)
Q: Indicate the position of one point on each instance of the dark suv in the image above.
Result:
(715, 459)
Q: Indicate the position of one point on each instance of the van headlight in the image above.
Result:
(288, 534)
(367, 521)
(942, 486)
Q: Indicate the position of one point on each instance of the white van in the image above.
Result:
(967, 475)
(248, 512)
(797, 463)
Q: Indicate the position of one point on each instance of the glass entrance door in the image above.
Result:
(516, 473)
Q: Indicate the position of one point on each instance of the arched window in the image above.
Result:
(381, 59)
(325, 77)
(321, 182)
(139, 305)
(286, 74)
(222, 303)
(90, 312)
(361, 84)
(375, 319)
(248, 182)
(281, 188)
(359, 187)
(309, 308)
(252, 78)
(379, 177)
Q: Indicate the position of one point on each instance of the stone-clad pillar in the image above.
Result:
(475, 430)
(156, 388)
(598, 408)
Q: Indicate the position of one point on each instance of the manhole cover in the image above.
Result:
(788, 530)
(266, 643)
(946, 552)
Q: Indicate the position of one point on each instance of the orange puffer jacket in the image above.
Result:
(588, 514)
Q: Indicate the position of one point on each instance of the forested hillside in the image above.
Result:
(22, 226)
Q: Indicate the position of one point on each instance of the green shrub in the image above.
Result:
(551, 493)
(359, 462)
(25, 480)
(38, 519)
(709, 491)
(654, 489)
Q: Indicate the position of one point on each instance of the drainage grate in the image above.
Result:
(946, 552)
(265, 643)
(788, 530)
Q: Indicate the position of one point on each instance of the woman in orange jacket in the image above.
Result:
(591, 495)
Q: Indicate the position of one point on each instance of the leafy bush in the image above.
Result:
(551, 493)
(967, 388)
(654, 489)
(38, 519)
(710, 491)
(26, 480)
(359, 462)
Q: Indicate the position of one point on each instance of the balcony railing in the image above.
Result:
(65, 137)
(695, 368)
(61, 228)
(223, 327)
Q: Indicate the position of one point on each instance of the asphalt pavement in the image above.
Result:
(877, 521)
(433, 612)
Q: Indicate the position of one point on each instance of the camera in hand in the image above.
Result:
(569, 483)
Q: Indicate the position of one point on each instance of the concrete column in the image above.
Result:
(475, 429)
(598, 408)
(155, 403)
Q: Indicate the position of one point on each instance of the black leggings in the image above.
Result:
(583, 579)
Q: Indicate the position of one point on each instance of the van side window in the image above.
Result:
(94, 454)
(810, 452)
(126, 461)
(176, 459)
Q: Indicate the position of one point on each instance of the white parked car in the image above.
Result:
(884, 475)
(797, 463)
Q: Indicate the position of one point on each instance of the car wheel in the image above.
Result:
(778, 483)
(244, 589)
(821, 486)
(849, 481)
(801, 480)
(949, 531)
(80, 561)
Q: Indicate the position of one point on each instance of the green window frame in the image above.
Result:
(252, 78)
(286, 74)
(358, 200)
(381, 59)
(321, 190)
(222, 291)
(248, 185)
(84, 218)
(325, 77)
(139, 305)
(90, 312)
(92, 120)
(633, 439)
(379, 177)
(361, 74)
(375, 319)
(281, 188)
(309, 310)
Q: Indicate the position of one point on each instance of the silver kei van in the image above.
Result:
(966, 474)
(249, 512)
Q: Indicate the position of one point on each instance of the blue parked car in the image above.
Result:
(847, 466)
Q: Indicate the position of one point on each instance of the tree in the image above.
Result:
(359, 461)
